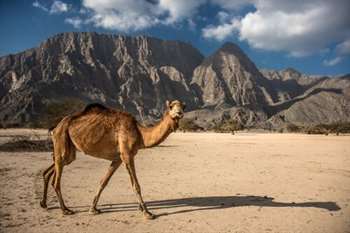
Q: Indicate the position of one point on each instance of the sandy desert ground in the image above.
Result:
(193, 182)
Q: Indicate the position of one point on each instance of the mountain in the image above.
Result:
(308, 100)
(228, 78)
(138, 74)
(229, 85)
(134, 73)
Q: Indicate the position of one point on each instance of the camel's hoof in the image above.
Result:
(43, 204)
(148, 215)
(67, 212)
(94, 211)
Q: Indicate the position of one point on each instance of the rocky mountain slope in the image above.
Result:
(138, 74)
(309, 100)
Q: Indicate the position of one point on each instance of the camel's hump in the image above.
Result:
(92, 106)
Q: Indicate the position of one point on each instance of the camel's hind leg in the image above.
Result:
(46, 175)
(113, 167)
(57, 185)
(63, 154)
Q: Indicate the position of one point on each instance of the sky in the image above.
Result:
(312, 36)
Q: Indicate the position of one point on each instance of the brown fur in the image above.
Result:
(108, 134)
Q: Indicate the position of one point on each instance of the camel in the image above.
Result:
(109, 134)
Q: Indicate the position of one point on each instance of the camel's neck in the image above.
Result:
(153, 136)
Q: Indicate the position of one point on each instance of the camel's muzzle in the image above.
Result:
(179, 115)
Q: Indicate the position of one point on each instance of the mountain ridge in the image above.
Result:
(138, 74)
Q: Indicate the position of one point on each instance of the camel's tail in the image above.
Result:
(50, 130)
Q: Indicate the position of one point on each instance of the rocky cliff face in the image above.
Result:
(138, 74)
(229, 78)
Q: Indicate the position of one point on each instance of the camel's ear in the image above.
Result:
(183, 105)
(167, 104)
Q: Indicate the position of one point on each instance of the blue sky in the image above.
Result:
(311, 36)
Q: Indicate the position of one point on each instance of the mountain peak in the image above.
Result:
(229, 76)
(291, 70)
(230, 48)
(233, 54)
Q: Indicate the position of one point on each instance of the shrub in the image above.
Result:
(22, 143)
(189, 125)
(316, 130)
(293, 128)
(338, 127)
(228, 126)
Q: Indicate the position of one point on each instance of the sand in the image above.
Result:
(193, 182)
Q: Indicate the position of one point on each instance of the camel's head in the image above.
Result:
(175, 109)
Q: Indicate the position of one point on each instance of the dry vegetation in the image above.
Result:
(188, 125)
(334, 128)
(225, 126)
(20, 143)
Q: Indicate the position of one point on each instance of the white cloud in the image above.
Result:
(223, 16)
(83, 11)
(122, 15)
(332, 62)
(297, 27)
(179, 9)
(191, 24)
(133, 15)
(58, 7)
(76, 22)
(222, 31)
(343, 48)
(40, 6)
(123, 22)
(232, 4)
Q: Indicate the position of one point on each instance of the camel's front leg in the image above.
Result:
(130, 166)
(113, 167)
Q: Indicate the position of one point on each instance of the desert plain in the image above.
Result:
(193, 182)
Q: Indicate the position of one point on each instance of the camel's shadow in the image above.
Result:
(211, 203)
